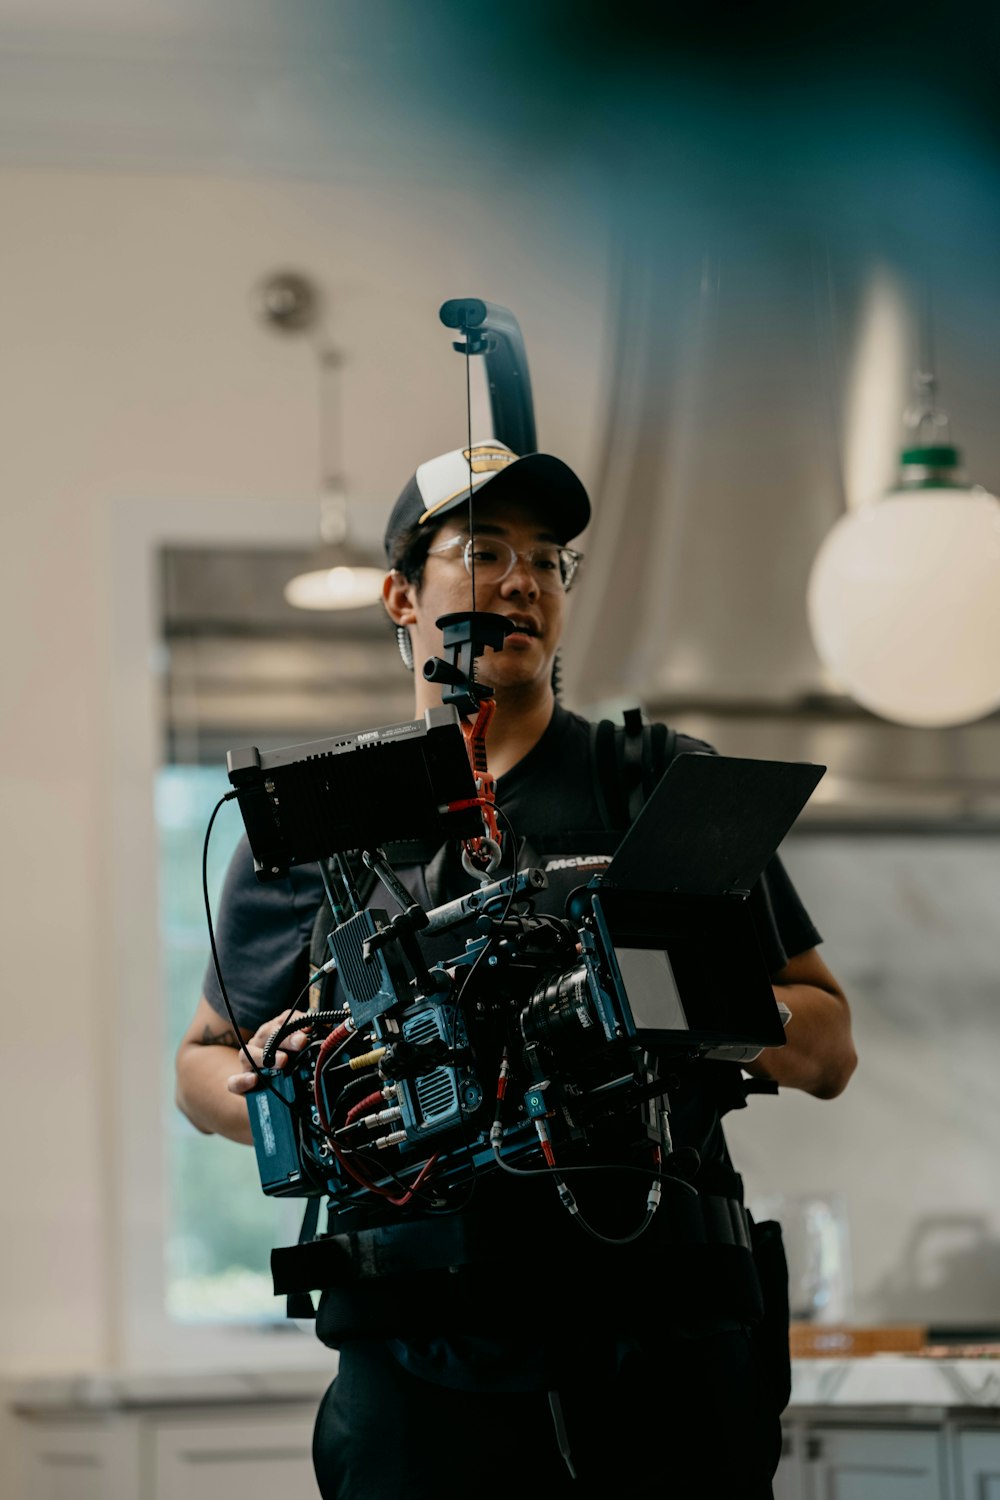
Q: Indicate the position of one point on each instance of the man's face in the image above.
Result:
(527, 656)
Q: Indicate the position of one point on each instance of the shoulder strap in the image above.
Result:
(633, 750)
(298, 1303)
(626, 763)
(602, 771)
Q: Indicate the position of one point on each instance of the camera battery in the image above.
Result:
(275, 1136)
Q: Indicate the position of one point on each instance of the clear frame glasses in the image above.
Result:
(553, 567)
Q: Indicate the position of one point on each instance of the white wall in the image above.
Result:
(135, 384)
(909, 924)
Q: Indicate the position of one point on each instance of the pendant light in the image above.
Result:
(339, 574)
(904, 594)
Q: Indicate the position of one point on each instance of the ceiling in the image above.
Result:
(328, 87)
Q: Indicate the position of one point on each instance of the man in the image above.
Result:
(636, 1365)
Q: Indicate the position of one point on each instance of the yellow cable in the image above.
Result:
(367, 1059)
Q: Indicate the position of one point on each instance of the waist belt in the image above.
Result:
(466, 1240)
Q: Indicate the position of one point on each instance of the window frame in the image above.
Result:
(143, 1337)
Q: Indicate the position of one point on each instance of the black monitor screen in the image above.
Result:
(691, 968)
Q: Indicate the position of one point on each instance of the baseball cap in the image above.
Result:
(442, 484)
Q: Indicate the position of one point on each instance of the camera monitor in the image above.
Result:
(711, 824)
(305, 802)
(689, 968)
(672, 908)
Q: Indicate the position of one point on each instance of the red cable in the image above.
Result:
(335, 1039)
(363, 1106)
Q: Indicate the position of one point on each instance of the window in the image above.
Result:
(153, 830)
(217, 1261)
(240, 667)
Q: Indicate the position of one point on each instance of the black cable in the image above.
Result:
(468, 429)
(293, 1023)
(227, 797)
(364, 1080)
(657, 1172)
(614, 1239)
(324, 875)
(230, 1012)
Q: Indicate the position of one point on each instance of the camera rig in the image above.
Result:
(531, 1042)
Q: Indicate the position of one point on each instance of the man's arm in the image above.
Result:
(818, 1055)
(213, 1074)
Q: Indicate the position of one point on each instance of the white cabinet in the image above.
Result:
(249, 1455)
(243, 1452)
(255, 1450)
(82, 1458)
(789, 1483)
(874, 1464)
(978, 1464)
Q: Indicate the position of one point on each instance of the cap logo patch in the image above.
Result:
(459, 472)
(486, 460)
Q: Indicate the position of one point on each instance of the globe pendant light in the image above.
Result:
(904, 594)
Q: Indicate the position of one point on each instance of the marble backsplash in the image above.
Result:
(912, 1149)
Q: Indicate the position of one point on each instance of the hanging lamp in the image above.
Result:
(339, 574)
(904, 594)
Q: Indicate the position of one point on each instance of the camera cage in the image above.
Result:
(584, 1012)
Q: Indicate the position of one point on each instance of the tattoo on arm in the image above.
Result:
(227, 1038)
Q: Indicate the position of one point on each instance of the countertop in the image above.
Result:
(896, 1380)
(880, 1380)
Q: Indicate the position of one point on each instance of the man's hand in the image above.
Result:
(213, 1075)
(818, 1055)
(244, 1081)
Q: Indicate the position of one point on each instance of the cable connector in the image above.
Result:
(496, 1135)
(366, 1060)
(383, 1117)
(545, 1141)
(566, 1197)
(655, 1193)
(504, 1075)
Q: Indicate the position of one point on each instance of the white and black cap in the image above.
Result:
(442, 485)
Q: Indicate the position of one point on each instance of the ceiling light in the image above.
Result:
(904, 595)
(339, 574)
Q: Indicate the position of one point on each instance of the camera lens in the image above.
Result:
(559, 1013)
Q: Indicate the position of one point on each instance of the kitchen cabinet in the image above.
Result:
(855, 1457)
(978, 1464)
(87, 1457)
(245, 1455)
(898, 1463)
(789, 1483)
(248, 1437)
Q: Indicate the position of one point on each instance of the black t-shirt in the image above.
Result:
(549, 800)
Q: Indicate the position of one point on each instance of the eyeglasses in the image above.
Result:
(552, 567)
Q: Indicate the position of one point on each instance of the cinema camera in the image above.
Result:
(540, 1043)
